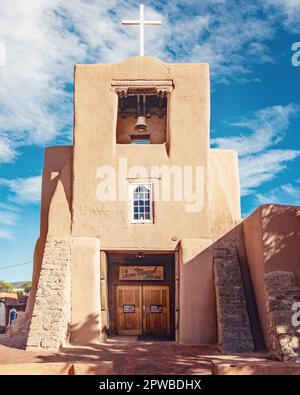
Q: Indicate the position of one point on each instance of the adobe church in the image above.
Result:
(143, 265)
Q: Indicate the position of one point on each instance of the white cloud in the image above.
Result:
(6, 234)
(289, 10)
(44, 39)
(8, 218)
(7, 152)
(20, 191)
(258, 162)
(266, 128)
(284, 194)
(9, 206)
(255, 170)
(23, 190)
(230, 38)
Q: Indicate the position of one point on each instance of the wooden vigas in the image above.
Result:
(143, 309)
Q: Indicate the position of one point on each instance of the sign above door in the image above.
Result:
(141, 273)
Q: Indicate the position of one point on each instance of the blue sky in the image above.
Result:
(255, 103)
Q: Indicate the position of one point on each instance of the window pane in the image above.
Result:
(141, 203)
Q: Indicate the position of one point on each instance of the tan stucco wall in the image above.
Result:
(197, 300)
(272, 239)
(225, 191)
(85, 325)
(281, 238)
(95, 145)
(55, 160)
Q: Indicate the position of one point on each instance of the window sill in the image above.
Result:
(142, 222)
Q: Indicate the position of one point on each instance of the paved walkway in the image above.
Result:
(128, 356)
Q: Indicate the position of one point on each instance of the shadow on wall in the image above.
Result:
(281, 238)
(197, 295)
(197, 290)
(87, 333)
(272, 239)
(55, 171)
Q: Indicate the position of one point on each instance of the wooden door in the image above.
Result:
(129, 309)
(156, 306)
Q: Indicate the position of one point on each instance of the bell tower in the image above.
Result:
(142, 112)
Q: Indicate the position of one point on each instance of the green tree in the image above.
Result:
(6, 287)
(26, 287)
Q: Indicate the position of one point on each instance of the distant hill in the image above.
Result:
(18, 284)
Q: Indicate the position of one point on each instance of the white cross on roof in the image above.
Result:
(141, 22)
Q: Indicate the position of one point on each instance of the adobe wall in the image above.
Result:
(225, 191)
(85, 323)
(197, 302)
(51, 314)
(55, 159)
(95, 145)
(199, 325)
(281, 238)
(272, 239)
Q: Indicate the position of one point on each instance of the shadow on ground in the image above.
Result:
(129, 356)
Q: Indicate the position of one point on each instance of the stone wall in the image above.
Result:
(51, 314)
(281, 292)
(234, 331)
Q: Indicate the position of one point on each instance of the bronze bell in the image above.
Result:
(141, 124)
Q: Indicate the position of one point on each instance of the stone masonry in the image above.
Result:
(234, 331)
(51, 314)
(281, 292)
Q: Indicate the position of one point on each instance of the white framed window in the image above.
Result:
(141, 203)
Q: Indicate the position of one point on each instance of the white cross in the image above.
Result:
(141, 22)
